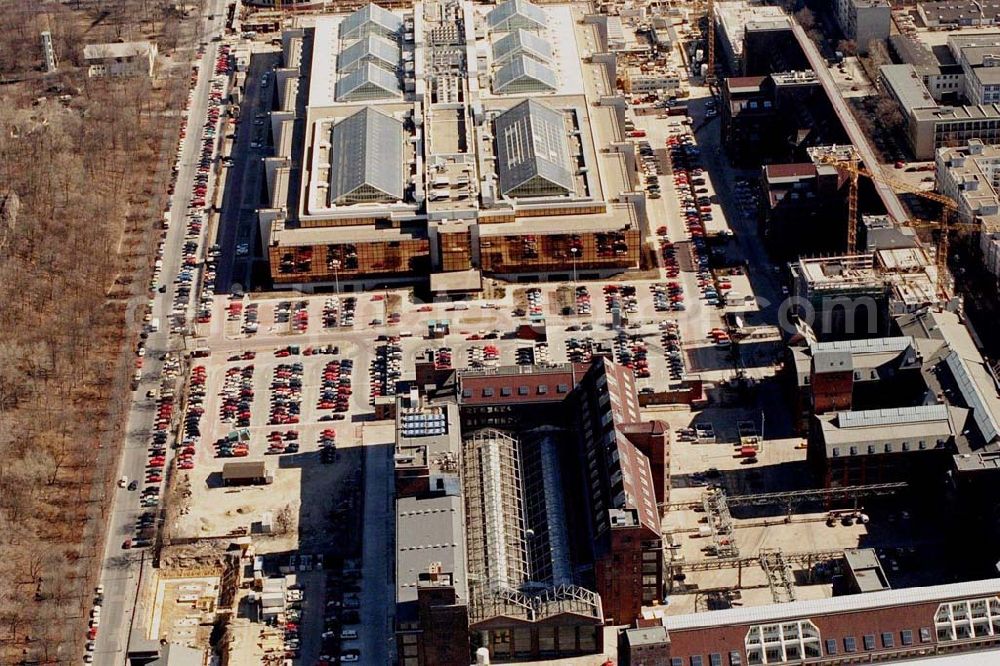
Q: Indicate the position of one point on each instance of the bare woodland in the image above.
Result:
(83, 175)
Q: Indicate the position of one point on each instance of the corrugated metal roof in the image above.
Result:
(516, 13)
(847, 603)
(369, 81)
(366, 149)
(865, 346)
(522, 69)
(521, 42)
(370, 18)
(373, 48)
(531, 142)
(881, 417)
(981, 413)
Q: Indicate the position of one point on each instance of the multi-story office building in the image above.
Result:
(447, 140)
(863, 21)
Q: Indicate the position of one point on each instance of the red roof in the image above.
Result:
(539, 385)
(745, 82)
(801, 170)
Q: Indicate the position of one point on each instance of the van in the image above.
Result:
(406, 334)
(154, 325)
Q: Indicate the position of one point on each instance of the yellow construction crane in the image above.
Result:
(710, 74)
(948, 206)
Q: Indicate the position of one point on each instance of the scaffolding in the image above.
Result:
(807, 560)
(779, 575)
(720, 522)
(548, 603)
(794, 498)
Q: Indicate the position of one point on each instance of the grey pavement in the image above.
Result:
(120, 569)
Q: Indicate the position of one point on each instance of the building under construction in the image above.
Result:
(855, 296)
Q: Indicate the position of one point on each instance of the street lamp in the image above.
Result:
(573, 252)
(335, 264)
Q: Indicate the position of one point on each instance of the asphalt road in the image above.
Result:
(850, 123)
(120, 568)
(237, 221)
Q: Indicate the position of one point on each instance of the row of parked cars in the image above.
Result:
(156, 452)
(93, 625)
(582, 300)
(652, 169)
(193, 416)
(286, 394)
(342, 618)
(337, 312)
(442, 358)
(668, 296)
(670, 339)
(696, 204)
(385, 369)
(624, 297)
(632, 352)
(198, 206)
(487, 356)
(335, 388)
(237, 395)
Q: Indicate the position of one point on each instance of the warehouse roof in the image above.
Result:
(842, 604)
(886, 431)
(527, 72)
(373, 48)
(368, 19)
(907, 86)
(516, 14)
(366, 150)
(429, 531)
(532, 144)
(117, 50)
(521, 42)
(243, 470)
(369, 81)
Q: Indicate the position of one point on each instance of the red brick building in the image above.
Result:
(861, 628)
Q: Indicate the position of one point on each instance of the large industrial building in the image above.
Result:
(528, 504)
(884, 626)
(449, 140)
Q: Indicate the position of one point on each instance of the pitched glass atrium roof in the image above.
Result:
(524, 74)
(366, 152)
(516, 14)
(521, 42)
(368, 81)
(370, 19)
(379, 50)
(532, 151)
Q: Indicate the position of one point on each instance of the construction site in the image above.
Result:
(740, 536)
